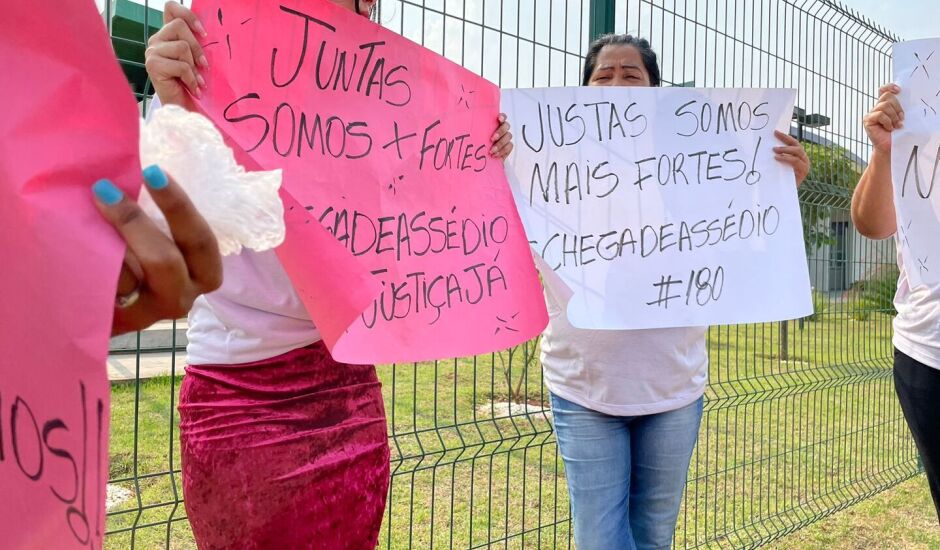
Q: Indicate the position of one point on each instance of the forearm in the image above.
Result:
(873, 202)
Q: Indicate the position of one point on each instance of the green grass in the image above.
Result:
(783, 444)
(149, 456)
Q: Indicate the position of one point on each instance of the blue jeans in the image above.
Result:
(625, 473)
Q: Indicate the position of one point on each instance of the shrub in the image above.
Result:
(876, 293)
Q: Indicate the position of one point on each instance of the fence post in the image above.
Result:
(602, 17)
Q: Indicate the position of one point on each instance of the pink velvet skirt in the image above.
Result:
(287, 453)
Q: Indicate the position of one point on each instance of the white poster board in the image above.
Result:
(915, 154)
(660, 207)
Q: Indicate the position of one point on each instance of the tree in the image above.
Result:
(832, 178)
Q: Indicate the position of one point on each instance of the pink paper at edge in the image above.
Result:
(69, 119)
(319, 181)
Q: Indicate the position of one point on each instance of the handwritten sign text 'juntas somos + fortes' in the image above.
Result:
(385, 145)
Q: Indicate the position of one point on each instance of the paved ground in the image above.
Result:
(156, 357)
(124, 367)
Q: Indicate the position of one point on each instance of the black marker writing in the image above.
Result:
(708, 285)
(703, 286)
(303, 50)
(568, 249)
(568, 125)
(288, 132)
(922, 64)
(365, 67)
(698, 168)
(451, 152)
(420, 292)
(398, 139)
(913, 165)
(664, 287)
(721, 119)
(36, 449)
(405, 235)
(572, 182)
(19, 408)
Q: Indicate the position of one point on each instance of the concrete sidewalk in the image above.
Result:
(156, 357)
(159, 337)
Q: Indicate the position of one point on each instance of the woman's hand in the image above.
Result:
(886, 117)
(502, 139)
(792, 154)
(161, 277)
(173, 57)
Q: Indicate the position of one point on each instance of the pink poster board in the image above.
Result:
(69, 119)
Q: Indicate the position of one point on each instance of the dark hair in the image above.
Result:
(641, 44)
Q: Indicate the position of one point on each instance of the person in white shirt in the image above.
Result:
(917, 324)
(282, 447)
(627, 404)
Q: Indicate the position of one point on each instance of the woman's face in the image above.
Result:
(365, 6)
(619, 65)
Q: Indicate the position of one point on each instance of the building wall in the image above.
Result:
(863, 257)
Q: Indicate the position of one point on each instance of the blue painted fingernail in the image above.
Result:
(107, 193)
(155, 177)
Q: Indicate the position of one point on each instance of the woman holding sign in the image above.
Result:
(916, 340)
(627, 404)
(282, 447)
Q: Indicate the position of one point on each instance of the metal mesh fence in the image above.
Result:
(800, 418)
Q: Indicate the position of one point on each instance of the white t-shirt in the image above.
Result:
(255, 315)
(622, 372)
(917, 325)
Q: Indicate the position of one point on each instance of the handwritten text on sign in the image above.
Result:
(915, 156)
(69, 119)
(386, 145)
(660, 207)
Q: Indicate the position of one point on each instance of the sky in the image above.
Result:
(733, 52)
(909, 19)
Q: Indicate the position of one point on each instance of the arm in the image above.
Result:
(873, 201)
